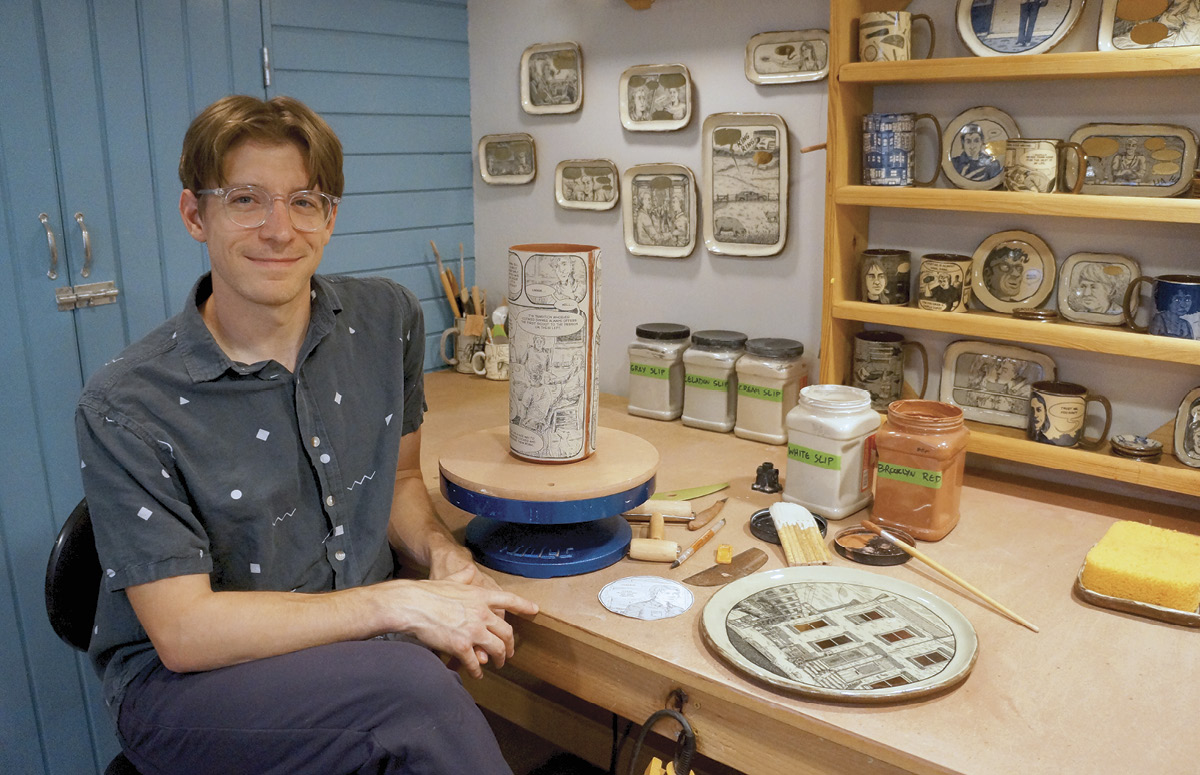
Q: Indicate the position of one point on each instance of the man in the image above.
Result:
(250, 465)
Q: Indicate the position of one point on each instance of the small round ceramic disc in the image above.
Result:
(646, 597)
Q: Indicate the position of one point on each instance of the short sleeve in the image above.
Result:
(413, 325)
(145, 529)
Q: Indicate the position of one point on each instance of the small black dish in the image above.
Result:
(861, 545)
(762, 526)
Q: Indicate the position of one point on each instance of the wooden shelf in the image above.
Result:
(1124, 208)
(994, 325)
(1156, 62)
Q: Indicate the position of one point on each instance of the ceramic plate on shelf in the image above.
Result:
(1187, 430)
(1015, 26)
(1012, 269)
(1091, 287)
(659, 210)
(1125, 605)
(745, 158)
(1148, 24)
(973, 147)
(655, 98)
(840, 634)
(1137, 159)
(508, 159)
(552, 78)
(586, 184)
(991, 382)
(787, 57)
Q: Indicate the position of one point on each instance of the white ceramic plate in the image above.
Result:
(991, 382)
(659, 210)
(787, 57)
(995, 29)
(969, 163)
(552, 78)
(745, 192)
(1137, 159)
(655, 98)
(1177, 23)
(1012, 269)
(840, 634)
(586, 184)
(1091, 287)
(509, 159)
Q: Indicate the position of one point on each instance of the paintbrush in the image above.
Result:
(447, 286)
(462, 276)
(799, 534)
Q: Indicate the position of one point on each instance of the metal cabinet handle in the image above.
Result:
(53, 272)
(87, 247)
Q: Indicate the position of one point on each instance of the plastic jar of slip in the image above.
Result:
(831, 435)
(770, 376)
(656, 370)
(919, 475)
(710, 380)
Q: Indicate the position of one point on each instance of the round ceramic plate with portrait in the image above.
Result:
(992, 29)
(1012, 269)
(974, 144)
(1091, 288)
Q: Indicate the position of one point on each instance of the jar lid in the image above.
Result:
(719, 338)
(663, 331)
(861, 545)
(835, 397)
(772, 347)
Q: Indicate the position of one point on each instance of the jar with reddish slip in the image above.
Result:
(922, 452)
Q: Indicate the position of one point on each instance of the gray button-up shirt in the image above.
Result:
(261, 478)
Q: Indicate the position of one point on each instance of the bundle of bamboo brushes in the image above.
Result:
(799, 535)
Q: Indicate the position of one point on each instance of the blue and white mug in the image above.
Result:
(888, 141)
(1176, 307)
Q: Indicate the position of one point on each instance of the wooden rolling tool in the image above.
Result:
(654, 548)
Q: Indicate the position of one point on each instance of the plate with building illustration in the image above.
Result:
(840, 634)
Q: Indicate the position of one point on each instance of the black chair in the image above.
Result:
(72, 587)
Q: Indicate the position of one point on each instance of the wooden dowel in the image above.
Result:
(946, 572)
(811, 148)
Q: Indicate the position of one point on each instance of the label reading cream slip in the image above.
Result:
(706, 383)
(646, 370)
(918, 476)
(812, 457)
(760, 392)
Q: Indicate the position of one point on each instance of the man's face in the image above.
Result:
(270, 266)
(1093, 296)
(876, 280)
(1010, 271)
(972, 144)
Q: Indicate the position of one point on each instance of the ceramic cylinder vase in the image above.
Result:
(554, 327)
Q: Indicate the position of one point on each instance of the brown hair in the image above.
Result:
(236, 118)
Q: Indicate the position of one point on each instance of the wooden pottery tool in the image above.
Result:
(946, 572)
(689, 493)
(701, 541)
(654, 548)
(742, 564)
(706, 516)
(638, 519)
(671, 508)
(799, 535)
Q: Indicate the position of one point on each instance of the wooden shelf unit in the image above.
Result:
(847, 223)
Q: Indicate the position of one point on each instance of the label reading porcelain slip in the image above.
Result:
(646, 370)
(706, 383)
(760, 392)
(918, 476)
(812, 457)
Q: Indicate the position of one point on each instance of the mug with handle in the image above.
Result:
(889, 140)
(1176, 304)
(1041, 165)
(886, 36)
(878, 366)
(1058, 411)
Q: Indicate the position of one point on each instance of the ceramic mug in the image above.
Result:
(886, 36)
(492, 361)
(943, 283)
(463, 347)
(888, 141)
(878, 366)
(884, 275)
(1057, 412)
(1041, 165)
(1176, 305)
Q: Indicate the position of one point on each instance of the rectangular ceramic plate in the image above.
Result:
(659, 210)
(991, 382)
(552, 78)
(1137, 159)
(1172, 615)
(586, 184)
(745, 183)
(1178, 24)
(787, 57)
(509, 159)
(655, 98)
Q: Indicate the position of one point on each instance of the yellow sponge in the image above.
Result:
(1147, 564)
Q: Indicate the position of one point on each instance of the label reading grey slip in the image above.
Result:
(760, 392)
(646, 370)
(812, 457)
(918, 476)
(706, 383)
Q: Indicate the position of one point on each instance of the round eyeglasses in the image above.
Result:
(250, 206)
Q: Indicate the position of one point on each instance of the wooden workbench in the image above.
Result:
(1095, 691)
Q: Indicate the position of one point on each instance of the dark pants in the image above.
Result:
(361, 707)
(1028, 20)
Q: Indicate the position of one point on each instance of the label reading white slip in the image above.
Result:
(706, 383)
(646, 370)
(917, 476)
(814, 458)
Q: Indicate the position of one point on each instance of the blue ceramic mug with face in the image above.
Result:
(888, 143)
(1176, 308)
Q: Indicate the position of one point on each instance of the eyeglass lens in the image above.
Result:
(250, 206)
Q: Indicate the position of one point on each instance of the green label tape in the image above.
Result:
(646, 370)
(917, 476)
(812, 457)
(760, 392)
(706, 383)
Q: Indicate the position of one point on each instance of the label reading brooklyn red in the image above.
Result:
(918, 476)
(706, 383)
(646, 370)
(760, 392)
